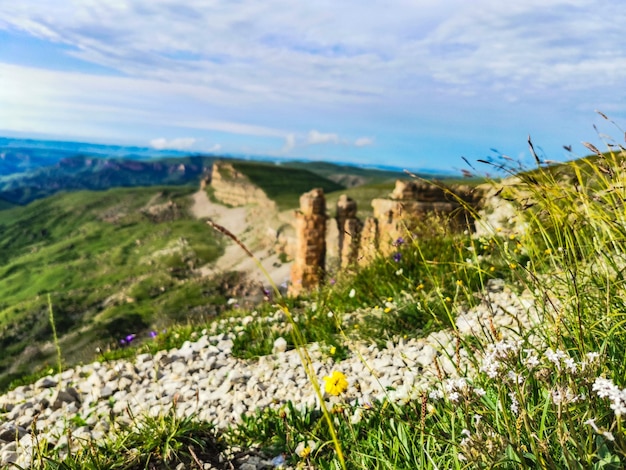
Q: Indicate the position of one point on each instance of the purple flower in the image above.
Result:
(399, 241)
(130, 338)
(332, 282)
(153, 334)
(397, 256)
(123, 342)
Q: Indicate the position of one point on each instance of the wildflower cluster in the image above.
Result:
(456, 389)
(519, 377)
(499, 356)
(605, 388)
(397, 256)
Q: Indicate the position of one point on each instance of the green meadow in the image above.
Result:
(110, 265)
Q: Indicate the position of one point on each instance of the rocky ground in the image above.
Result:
(202, 378)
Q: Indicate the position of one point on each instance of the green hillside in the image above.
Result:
(284, 184)
(340, 172)
(5, 205)
(114, 263)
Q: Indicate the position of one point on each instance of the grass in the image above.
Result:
(282, 184)
(552, 396)
(109, 266)
(148, 442)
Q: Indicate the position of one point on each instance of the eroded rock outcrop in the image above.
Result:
(233, 188)
(349, 228)
(308, 267)
(410, 204)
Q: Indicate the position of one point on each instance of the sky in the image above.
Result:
(406, 83)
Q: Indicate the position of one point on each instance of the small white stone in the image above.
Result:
(280, 345)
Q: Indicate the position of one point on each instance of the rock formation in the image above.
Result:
(411, 202)
(408, 205)
(368, 246)
(349, 228)
(308, 266)
(233, 188)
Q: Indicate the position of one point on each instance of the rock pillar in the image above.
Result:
(369, 241)
(349, 230)
(308, 267)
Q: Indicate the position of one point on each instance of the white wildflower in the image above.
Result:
(592, 356)
(531, 360)
(607, 435)
(466, 440)
(480, 392)
(563, 396)
(555, 357)
(592, 422)
(514, 403)
(605, 388)
(490, 366)
(515, 378)
(570, 365)
(435, 394)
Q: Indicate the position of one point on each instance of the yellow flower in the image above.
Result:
(304, 449)
(335, 383)
(332, 350)
(512, 265)
(389, 299)
(387, 309)
(420, 287)
(459, 282)
(492, 268)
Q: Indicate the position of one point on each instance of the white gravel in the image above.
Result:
(204, 379)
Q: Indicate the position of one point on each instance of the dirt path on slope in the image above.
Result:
(245, 224)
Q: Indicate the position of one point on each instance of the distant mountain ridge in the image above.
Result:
(94, 173)
(34, 169)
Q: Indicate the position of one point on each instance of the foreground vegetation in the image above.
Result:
(554, 399)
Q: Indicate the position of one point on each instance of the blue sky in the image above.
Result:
(407, 83)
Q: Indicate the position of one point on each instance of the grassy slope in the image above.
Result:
(111, 269)
(283, 184)
(363, 196)
(5, 205)
(326, 170)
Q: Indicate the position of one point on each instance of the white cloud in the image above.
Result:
(363, 142)
(290, 143)
(181, 143)
(315, 137)
(216, 148)
(330, 54)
